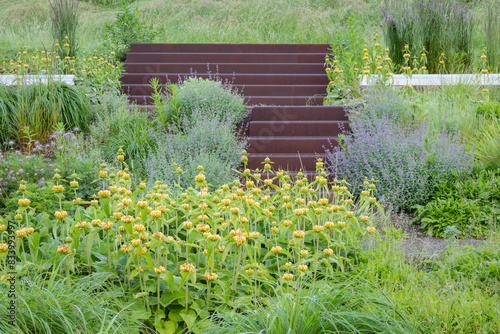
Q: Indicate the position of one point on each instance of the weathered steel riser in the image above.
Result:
(231, 47)
(235, 79)
(285, 84)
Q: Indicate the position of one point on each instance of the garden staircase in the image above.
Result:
(284, 83)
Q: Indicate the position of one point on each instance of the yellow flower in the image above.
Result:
(341, 224)
(187, 225)
(199, 178)
(187, 268)
(58, 189)
(61, 214)
(328, 251)
(160, 270)
(484, 71)
(210, 276)
(239, 239)
(304, 252)
(155, 213)
(318, 228)
(104, 193)
(24, 202)
(298, 234)
(370, 229)
(276, 249)
(302, 267)
(287, 276)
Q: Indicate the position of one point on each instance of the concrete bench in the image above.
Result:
(12, 80)
(435, 79)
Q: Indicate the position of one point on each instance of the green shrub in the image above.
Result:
(220, 99)
(64, 16)
(129, 28)
(118, 126)
(489, 109)
(42, 198)
(472, 205)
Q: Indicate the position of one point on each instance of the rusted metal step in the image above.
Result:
(251, 90)
(295, 113)
(287, 161)
(292, 144)
(235, 79)
(297, 128)
(229, 47)
(244, 57)
(254, 100)
(220, 67)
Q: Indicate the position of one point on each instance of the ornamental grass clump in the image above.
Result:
(183, 251)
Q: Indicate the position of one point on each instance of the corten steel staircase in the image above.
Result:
(285, 84)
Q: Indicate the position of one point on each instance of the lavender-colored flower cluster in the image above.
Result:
(405, 159)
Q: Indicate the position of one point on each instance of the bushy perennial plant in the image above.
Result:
(205, 140)
(203, 94)
(188, 251)
(402, 156)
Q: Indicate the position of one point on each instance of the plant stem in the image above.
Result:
(237, 267)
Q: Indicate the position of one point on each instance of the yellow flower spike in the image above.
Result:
(328, 251)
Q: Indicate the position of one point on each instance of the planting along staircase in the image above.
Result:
(284, 83)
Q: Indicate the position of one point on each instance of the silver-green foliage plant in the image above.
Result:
(206, 141)
(203, 94)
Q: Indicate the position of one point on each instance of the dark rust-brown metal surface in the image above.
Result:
(284, 83)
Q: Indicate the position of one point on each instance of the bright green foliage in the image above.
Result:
(487, 144)
(454, 292)
(121, 126)
(349, 306)
(196, 249)
(87, 305)
(129, 28)
(472, 205)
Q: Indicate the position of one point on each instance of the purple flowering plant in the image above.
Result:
(386, 144)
